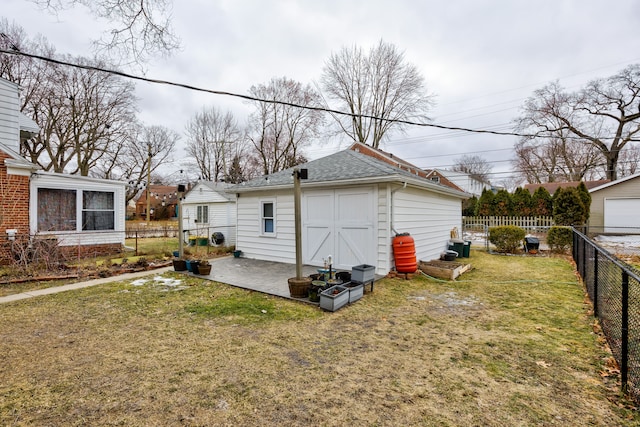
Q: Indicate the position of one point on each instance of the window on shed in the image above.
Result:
(98, 212)
(56, 209)
(202, 215)
(268, 224)
(435, 178)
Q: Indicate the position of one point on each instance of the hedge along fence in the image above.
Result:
(529, 223)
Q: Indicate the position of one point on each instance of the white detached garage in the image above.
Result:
(615, 206)
(207, 209)
(353, 204)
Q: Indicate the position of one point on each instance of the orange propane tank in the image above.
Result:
(404, 253)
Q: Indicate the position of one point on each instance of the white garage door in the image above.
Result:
(621, 214)
(339, 223)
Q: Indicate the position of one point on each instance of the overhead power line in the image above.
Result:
(269, 101)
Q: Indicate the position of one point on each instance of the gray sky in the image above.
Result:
(481, 59)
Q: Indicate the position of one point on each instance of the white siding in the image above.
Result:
(9, 107)
(69, 182)
(280, 247)
(222, 213)
(428, 217)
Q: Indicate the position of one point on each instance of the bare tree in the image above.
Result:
(473, 165)
(28, 73)
(279, 132)
(605, 114)
(556, 159)
(629, 161)
(376, 88)
(213, 140)
(140, 28)
(82, 115)
(143, 151)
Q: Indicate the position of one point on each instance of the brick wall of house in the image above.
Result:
(14, 207)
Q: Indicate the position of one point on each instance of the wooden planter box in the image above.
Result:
(331, 301)
(443, 269)
(362, 273)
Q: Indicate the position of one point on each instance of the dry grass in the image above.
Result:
(510, 344)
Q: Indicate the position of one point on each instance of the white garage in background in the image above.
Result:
(621, 215)
(615, 206)
(353, 204)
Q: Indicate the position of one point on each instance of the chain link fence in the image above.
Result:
(614, 289)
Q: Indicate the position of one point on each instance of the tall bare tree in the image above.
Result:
(605, 114)
(82, 114)
(141, 154)
(139, 29)
(476, 166)
(213, 140)
(557, 159)
(377, 88)
(279, 132)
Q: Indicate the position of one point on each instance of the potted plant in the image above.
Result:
(192, 265)
(179, 265)
(204, 267)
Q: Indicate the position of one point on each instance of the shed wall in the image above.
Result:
(428, 217)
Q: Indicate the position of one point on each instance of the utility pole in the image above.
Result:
(148, 181)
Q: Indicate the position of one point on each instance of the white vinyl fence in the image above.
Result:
(529, 223)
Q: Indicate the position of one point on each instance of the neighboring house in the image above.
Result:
(84, 215)
(615, 206)
(208, 209)
(553, 186)
(162, 202)
(353, 204)
(461, 180)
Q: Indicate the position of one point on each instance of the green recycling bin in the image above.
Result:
(458, 246)
(466, 249)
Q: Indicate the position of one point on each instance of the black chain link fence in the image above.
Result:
(614, 289)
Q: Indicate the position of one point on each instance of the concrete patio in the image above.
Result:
(262, 276)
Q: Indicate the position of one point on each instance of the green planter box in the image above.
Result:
(203, 241)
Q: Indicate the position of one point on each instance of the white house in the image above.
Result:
(207, 209)
(85, 215)
(465, 182)
(354, 202)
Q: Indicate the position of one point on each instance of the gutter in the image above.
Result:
(391, 207)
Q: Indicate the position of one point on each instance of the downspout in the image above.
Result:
(391, 207)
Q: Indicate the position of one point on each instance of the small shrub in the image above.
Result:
(560, 239)
(507, 238)
(142, 262)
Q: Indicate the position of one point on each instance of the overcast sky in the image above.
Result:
(481, 59)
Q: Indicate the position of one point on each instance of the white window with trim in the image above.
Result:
(75, 210)
(202, 214)
(98, 211)
(267, 218)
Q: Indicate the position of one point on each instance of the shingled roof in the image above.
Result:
(343, 168)
(553, 186)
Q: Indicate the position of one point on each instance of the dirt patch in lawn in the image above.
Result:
(511, 344)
